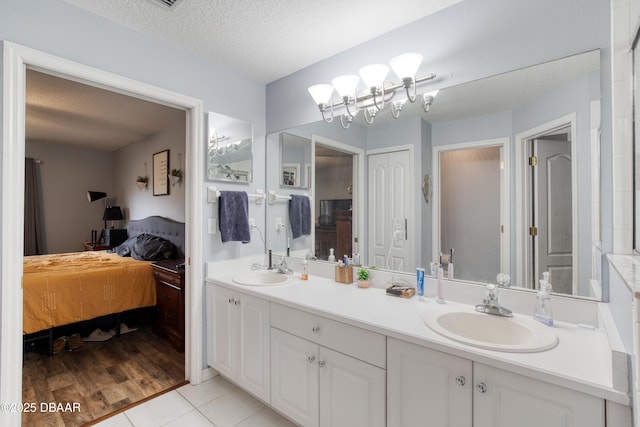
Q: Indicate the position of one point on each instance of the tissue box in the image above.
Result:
(344, 274)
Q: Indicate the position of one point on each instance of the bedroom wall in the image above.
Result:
(129, 162)
(67, 172)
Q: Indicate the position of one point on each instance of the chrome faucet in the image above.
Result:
(490, 303)
(281, 266)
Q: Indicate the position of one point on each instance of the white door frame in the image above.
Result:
(523, 205)
(358, 185)
(505, 218)
(16, 59)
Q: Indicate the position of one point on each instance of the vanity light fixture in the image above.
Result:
(378, 91)
(216, 148)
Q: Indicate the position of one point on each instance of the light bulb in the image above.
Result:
(321, 93)
(346, 85)
(406, 65)
(373, 75)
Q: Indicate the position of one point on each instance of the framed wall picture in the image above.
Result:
(161, 173)
(290, 175)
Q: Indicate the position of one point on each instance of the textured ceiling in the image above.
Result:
(264, 39)
(63, 111)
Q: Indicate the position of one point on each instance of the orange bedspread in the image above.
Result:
(60, 289)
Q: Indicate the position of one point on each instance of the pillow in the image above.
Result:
(148, 247)
(124, 248)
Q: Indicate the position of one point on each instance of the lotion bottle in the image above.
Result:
(543, 312)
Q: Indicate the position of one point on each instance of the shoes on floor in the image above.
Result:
(74, 342)
(99, 335)
(59, 344)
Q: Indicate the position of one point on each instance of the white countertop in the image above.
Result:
(581, 360)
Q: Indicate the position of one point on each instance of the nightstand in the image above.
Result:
(88, 246)
(170, 287)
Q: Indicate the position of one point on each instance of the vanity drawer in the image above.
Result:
(360, 343)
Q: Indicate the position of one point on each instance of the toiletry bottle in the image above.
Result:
(440, 291)
(420, 283)
(543, 302)
(304, 274)
(332, 257)
(450, 266)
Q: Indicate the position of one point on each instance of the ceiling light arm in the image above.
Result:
(374, 92)
(325, 107)
(345, 121)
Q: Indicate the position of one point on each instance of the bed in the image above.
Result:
(61, 289)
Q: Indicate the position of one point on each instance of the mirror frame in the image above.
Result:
(240, 133)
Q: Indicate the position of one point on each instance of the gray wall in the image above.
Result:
(66, 174)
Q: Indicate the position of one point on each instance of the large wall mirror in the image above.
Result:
(489, 132)
(229, 149)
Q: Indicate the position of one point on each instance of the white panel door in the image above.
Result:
(253, 345)
(352, 392)
(392, 230)
(294, 377)
(426, 387)
(221, 354)
(553, 213)
(504, 399)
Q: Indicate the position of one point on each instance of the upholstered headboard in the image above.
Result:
(159, 226)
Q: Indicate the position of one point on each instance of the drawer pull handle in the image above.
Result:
(316, 329)
(461, 381)
(311, 358)
(321, 363)
(482, 387)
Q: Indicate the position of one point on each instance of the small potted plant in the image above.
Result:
(175, 176)
(363, 278)
(142, 181)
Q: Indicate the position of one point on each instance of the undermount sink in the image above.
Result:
(517, 334)
(260, 278)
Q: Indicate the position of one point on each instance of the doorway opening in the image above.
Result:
(337, 180)
(16, 60)
(546, 212)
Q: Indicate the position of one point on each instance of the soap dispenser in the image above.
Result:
(543, 301)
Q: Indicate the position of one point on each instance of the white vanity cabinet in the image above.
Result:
(315, 385)
(238, 338)
(427, 387)
(503, 398)
(431, 388)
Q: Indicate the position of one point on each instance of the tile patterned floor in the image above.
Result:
(215, 402)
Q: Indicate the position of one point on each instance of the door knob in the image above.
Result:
(481, 387)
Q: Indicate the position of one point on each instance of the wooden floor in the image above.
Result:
(101, 377)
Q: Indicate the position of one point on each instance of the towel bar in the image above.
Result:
(213, 194)
(273, 197)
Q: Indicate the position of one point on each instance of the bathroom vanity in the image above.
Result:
(326, 353)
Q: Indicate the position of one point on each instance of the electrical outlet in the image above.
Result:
(213, 226)
(252, 224)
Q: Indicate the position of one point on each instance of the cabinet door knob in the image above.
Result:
(316, 329)
(461, 381)
(481, 387)
(311, 358)
(236, 302)
(321, 363)
(231, 300)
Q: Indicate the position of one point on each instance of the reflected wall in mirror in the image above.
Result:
(229, 149)
(558, 98)
(295, 161)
